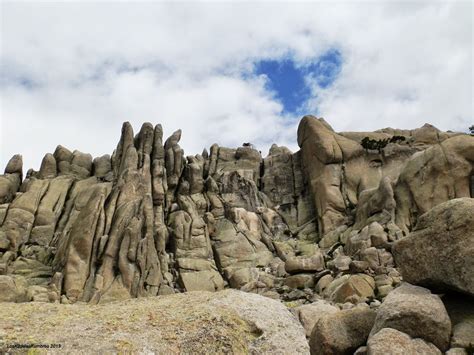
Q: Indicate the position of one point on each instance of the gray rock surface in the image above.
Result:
(279, 331)
(332, 221)
(13, 288)
(309, 314)
(390, 341)
(417, 312)
(439, 251)
(220, 322)
(328, 227)
(342, 332)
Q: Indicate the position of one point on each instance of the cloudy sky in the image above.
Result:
(72, 72)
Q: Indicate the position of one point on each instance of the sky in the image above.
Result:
(227, 72)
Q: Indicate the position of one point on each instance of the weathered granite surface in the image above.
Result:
(330, 230)
(149, 220)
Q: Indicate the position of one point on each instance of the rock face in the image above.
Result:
(439, 252)
(149, 220)
(438, 174)
(382, 183)
(223, 322)
(329, 230)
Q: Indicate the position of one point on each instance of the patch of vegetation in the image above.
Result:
(292, 304)
(379, 144)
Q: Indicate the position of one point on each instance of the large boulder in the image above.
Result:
(13, 288)
(390, 341)
(11, 180)
(310, 314)
(342, 332)
(417, 312)
(204, 280)
(196, 322)
(440, 173)
(48, 169)
(439, 252)
(304, 264)
(350, 288)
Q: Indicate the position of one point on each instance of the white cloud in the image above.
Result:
(415, 68)
(92, 66)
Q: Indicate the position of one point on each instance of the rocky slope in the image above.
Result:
(332, 221)
(222, 322)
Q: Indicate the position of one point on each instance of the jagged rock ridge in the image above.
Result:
(150, 221)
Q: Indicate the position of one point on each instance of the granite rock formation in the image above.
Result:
(335, 221)
(439, 253)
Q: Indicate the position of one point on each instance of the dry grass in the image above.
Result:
(184, 324)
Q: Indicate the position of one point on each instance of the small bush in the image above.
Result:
(374, 144)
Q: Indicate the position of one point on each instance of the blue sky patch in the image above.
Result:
(290, 81)
(27, 83)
